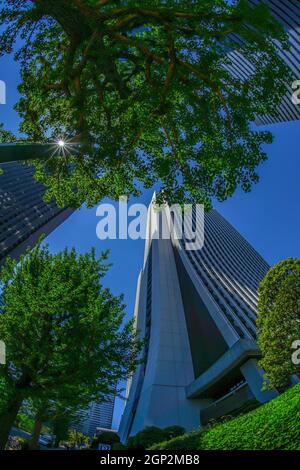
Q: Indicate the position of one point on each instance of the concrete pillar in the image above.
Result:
(255, 378)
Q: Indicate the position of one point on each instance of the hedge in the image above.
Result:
(273, 426)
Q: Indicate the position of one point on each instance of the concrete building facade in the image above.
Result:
(196, 310)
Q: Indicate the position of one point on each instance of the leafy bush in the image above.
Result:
(119, 446)
(152, 435)
(278, 322)
(149, 436)
(76, 438)
(273, 426)
(173, 431)
(24, 422)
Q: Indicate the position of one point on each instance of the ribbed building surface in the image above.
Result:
(231, 271)
(287, 13)
(196, 310)
(24, 216)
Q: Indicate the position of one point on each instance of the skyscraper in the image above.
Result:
(24, 216)
(97, 415)
(287, 12)
(196, 310)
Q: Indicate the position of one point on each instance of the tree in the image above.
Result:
(61, 409)
(62, 330)
(145, 87)
(278, 321)
(61, 425)
(59, 416)
(5, 137)
(76, 438)
(40, 416)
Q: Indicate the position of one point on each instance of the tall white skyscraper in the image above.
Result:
(196, 310)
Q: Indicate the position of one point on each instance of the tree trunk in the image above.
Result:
(74, 20)
(57, 441)
(36, 432)
(7, 419)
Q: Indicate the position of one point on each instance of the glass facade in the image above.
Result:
(24, 216)
(231, 270)
(97, 415)
(287, 13)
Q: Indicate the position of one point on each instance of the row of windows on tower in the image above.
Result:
(248, 296)
(148, 307)
(27, 218)
(227, 285)
(243, 264)
(257, 266)
(288, 13)
(235, 318)
(214, 221)
(10, 243)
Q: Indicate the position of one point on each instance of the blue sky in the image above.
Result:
(268, 217)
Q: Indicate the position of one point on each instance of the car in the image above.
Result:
(45, 439)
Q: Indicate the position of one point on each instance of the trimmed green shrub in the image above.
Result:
(149, 436)
(152, 435)
(173, 431)
(119, 446)
(273, 426)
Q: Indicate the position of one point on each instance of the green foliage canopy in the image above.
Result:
(5, 137)
(63, 330)
(145, 88)
(76, 438)
(278, 321)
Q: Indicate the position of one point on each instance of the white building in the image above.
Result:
(197, 311)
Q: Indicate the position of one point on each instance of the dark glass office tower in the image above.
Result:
(196, 310)
(287, 12)
(24, 216)
(96, 416)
